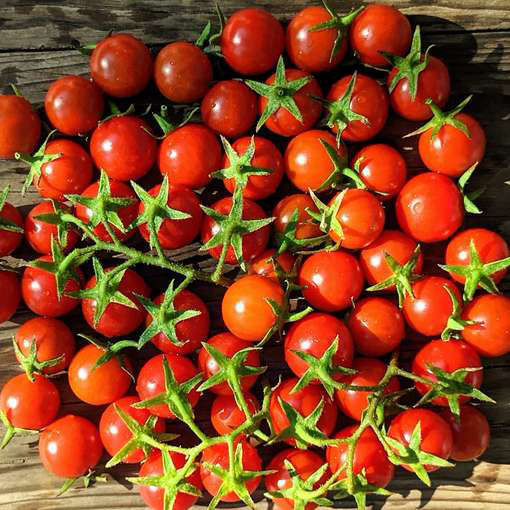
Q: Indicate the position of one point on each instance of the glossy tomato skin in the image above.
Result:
(70, 446)
(9, 241)
(380, 28)
(189, 155)
(430, 208)
(284, 210)
(124, 148)
(266, 156)
(121, 65)
(182, 72)
(267, 263)
(330, 281)
(74, 105)
(229, 108)
(21, 126)
(377, 326)
(226, 416)
(252, 40)
(10, 296)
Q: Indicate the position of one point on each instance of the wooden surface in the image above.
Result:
(37, 41)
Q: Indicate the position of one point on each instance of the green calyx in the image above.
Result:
(469, 198)
(209, 40)
(166, 125)
(358, 488)
(57, 218)
(30, 364)
(86, 480)
(455, 322)
(115, 111)
(5, 224)
(11, 431)
(328, 214)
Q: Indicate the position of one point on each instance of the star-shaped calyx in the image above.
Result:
(455, 322)
(359, 490)
(328, 214)
(30, 364)
(57, 218)
(5, 224)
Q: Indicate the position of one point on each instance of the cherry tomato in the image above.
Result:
(70, 446)
(252, 40)
(121, 65)
(267, 263)
(10, 296)
(306, 227)
(74, 105)
(331, 280)
(9, 241)
(226, 416)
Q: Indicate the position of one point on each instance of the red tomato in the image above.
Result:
(430, 207)
(182, 72)
(70, 446)
(74, 105)
(121, 65)
(284, 210)
(252, 40)
(9, 241)
(226, 416)
(266, 264)
(331, 280)
(10, 295)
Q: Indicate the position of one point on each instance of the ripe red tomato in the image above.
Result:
(121, 65)
(266, 264)
(9, 241)
(306, 227)
(252, 40)
(430, 207)
(10, 295)
(226, 416)
(124, 147)
(229, 108)
(182, 72)
(331, 280)
(70, 446)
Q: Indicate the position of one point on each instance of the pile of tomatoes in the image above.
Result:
(327, 247)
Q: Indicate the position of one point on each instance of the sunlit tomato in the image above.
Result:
(368, 99)
(380, 28)
(268, 263)
(191, 332)
(226, 416)
(114, 432)
(266, 156)
(331, 280)
(10, 295)
(52, 339)
(124, 147)
(307, 163)
(377, 326)
(382, 168)
(306, 227)
(121, 65)
(314, 335)
(471, 435)
(188, 156)
(252, 40)
(182, 72)
(229, 108)
(9, 241)
(430, 207)
(74, 105)
(70, 446)
(151, 380)
(245, 308)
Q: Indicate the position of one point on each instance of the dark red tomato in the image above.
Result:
(29, 405)
(430, 207)
(9, 241)
(368, 99)
(10, 295)
(70, 446)
(126, 214)
(245, 308)
(377, 326)
(266, 156)
(114, 432)
(428, 312)
(226, 416)
(252, 40)
(490, 335)
(369, 456)
(380, 28)
(118, 319)
(314, 335)
(268, 262)
(124, 147)
(153, 496)
(370, 372)
(471, 436)
(74, 105)
(39, 234)
(394, 243)
(21, 126)
(182, 72)
(52, 339)
(121, 65)
(436, 434)
(304, 402)
(191, 332)
(217, 455)
(382, 168)
(227, 344)
(331, 280)
(229, 108)
(39, 291)
(283, 212)
(189, 155)
(307, 163)
(254, 243)
(151, 380)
